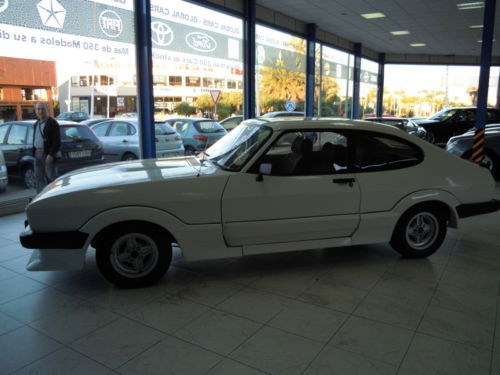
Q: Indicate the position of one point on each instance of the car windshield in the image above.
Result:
(443, 115)
(208, 126)
(163, 129)
(73, 133)
(233, 150)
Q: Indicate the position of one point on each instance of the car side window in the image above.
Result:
(101, 129)
(17, 135)
(119, 129)
(490, 116)
(308, 153)
(131, 129)
(375, 152)
(181, 126)
(467, 115)
(3, 132)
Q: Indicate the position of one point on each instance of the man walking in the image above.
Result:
(46, 144)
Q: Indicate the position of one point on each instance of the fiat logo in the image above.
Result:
(110, 23)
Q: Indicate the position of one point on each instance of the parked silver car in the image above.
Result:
(3, 174)
(120, 139)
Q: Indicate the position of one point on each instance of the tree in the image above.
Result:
(185, 109)
(204, 103)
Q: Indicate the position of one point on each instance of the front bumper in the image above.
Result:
(473, 209)
(52, 240)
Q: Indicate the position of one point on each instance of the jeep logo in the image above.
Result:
(201, 42)
(110, 23)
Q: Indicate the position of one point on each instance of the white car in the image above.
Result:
(267, 186)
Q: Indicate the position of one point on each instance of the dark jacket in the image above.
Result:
(51, 137)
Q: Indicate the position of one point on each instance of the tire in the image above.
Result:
(29, 177)
(430, 137)
(420, 231)
(120, 261)
(129, 156)
(188, 150)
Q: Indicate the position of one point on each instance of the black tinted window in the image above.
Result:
(380, 152)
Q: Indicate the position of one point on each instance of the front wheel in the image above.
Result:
(430, 137)
(420, 231)
(132, 257)
(29, 177)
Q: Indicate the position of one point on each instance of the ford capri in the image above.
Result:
(268, 186)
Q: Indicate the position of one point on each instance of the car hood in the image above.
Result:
(426, 122)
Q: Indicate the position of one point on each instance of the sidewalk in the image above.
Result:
(15, 199)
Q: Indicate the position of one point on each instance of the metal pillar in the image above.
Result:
(144, 61)
(310, 71)
(356, 80)
(380, 85)
(249, 59)
(484, 76)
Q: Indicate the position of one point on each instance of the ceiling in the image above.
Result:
(438, 23)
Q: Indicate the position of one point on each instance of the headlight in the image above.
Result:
(451, 145)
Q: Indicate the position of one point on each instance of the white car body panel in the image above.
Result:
(213, 213)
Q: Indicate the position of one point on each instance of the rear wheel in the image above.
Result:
(430, 137)
(133, 256)
(420, 231)
(29, 176)
(129, 156)
(188, 150)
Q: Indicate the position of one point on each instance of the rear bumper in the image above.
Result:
(473, 209)
(52, 240)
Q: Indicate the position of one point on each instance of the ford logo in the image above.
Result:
(201, 42)
(161, 33)
(110, 23)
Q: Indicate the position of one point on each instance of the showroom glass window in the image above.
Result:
(200, 50)
(368, 87)
(423, 90)
(64, 44)
(333, 94)
(280, 71)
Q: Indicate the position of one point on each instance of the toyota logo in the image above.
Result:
(161, 34)
(201, 42)
(110, 23)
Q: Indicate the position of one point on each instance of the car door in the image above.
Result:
(461, 122)
(291, 204)
(16, 144)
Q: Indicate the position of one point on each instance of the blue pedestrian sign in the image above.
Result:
(290, 106)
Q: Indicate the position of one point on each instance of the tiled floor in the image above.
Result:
(360, 310)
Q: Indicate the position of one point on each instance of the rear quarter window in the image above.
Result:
(76, 133)
(208, 127)
(376, 152)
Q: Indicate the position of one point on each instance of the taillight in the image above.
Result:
(200, 138)
(178, 138)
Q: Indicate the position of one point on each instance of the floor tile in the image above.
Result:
(359, 277)
(311, 321)
(64, 361)
(218, 331)
(288, 283)
(458, 326)
(379, 341)
(6, 273)
(11, 250)
(23, 346)
(335, 361)
(118, 342)
(277, 352)
(18, 286)
(38, 304)
(434, 356)
(8, 323)
(254, 304)
(171, 357)
(230, 367)
(334, 295)
(74, 321)
(169, 313)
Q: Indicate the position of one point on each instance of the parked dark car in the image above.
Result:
(197, 133)
(404, 124)
(80, 148)
(454, 121)
(461, 146)
(73, 116)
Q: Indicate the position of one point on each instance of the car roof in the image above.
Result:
(31, 122)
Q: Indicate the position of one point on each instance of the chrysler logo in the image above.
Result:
(161, 33)
(4, 4)
(110, 23)
(51, 12)
(201, 42)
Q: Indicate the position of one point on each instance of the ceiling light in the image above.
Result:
(418, 44)
(373, 15)
(474, 5)
(401, 32)
(476, 27)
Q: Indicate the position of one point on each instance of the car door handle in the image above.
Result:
(349, 181)
(125, 141)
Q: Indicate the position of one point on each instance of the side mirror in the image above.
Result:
(264, 169)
